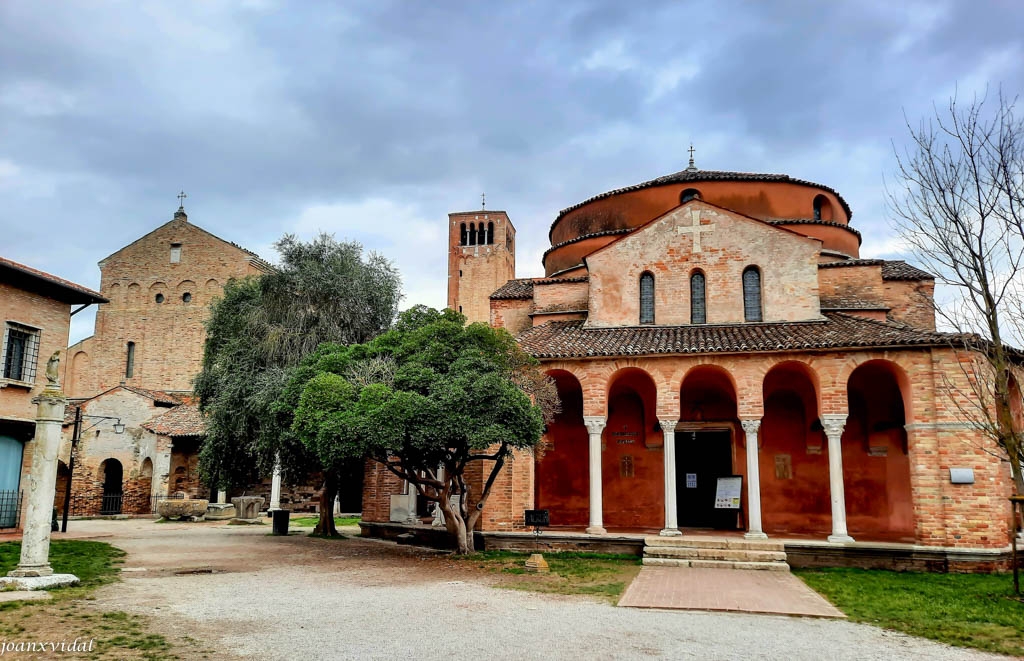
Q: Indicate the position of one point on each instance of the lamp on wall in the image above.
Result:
(118, 427)
(76, 436)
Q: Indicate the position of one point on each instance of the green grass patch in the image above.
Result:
(311, 521)
(94, 563)
(604, 575)
(967, 610)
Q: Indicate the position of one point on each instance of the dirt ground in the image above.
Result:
(230, 592)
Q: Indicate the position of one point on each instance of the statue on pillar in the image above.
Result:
(53, 372)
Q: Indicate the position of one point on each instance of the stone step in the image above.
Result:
(716, 543)
(714, 564)
(732, 555)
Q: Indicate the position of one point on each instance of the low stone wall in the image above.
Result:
(810, 556)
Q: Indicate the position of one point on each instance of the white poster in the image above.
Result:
(728, 493)
(691, 480)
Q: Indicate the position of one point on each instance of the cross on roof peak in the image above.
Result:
(691, 167)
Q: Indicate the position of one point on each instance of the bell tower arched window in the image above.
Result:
(463, 235)
(472, 234)
(698, 308)
(647, 298)
(490, 233)
(752, 294)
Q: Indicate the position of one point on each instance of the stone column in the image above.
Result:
(275, 485)
(222, 496)
(754, 531)
(834, 425)
(595, 425)
(668, 427)
(42, 480)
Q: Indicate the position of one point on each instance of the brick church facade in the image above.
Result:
(707, 326)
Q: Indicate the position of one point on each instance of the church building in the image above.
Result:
(727, 361)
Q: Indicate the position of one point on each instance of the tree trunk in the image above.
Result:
(455, 524)
(325, 527)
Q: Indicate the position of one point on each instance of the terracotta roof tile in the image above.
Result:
(570, 339)
(184, 420)
(522, 288)
(81, 294)
(895, 269)
(850, 303)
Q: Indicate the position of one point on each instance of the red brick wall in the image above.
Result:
(475, 272)
(168, 336)
(512, 315)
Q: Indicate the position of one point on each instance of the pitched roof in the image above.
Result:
(159, 397)
(58, 288)
(522, 289)
(850, 303)
(571, 339)
(685, 176)
(184, 420)
(892, 269)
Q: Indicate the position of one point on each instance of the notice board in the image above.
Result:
(728, 493)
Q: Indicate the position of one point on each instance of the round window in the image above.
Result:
(159, 298)
(186, 297)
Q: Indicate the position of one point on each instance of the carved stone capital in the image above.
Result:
(595, 423)
(751, 426)
(833, 423)
(668, 426)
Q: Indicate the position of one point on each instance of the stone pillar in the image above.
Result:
(222, 496)
(834, 425)
(42, 480)
(275, 485)
(595, 425)
(754, 531)
(668, 427)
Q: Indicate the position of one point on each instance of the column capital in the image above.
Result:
(833, 423)
(668, 425)
(751, 426)
(595, 423)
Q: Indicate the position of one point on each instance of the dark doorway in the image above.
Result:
(113, 489)
(701, 458)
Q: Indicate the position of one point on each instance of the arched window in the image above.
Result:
(490, 233)
(472, 234)
(822, 208)
(482, 236)
(689, 194)
(463, 235)
(646, 298)
(751, 294)
(129, 364)
(698, 310)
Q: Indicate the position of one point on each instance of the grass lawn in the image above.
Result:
(968, 610)
(598, 574)
(68, 615)
(311, 521)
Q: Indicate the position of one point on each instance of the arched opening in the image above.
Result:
(129, 363)
(631, 457)
(112, 473)
(472, 234)
(752, 294)
(793, 464)
(698, 307)
(463, 235)
(562, 468)
(61, 487)
(822, 208)
(647, 298)
(689, 194)
(876, 465)
(490, 233)
(705, 450)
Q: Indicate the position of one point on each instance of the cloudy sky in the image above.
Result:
(374, 120)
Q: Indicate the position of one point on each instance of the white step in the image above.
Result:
(714, 564)
(732, 555)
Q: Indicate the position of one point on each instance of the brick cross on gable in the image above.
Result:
(695, 228)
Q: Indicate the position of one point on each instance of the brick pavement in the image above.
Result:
(736, 590)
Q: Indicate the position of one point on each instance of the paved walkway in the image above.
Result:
(734, 590)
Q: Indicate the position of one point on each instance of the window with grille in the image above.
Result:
(20, 352)
(646, 298)
(698, 311)
(751, 294)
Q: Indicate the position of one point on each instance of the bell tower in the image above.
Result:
(481, 258)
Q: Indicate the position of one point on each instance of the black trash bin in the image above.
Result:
(54, 527)
(280, 518)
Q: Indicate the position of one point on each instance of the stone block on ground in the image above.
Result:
(181, 508)
(220, 511)
(38, 582)
(247, 507)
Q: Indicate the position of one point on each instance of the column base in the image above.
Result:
(754, 535)
(596, 530)
(840, 539)
(38, 582)
(31, 571)
(670, 532)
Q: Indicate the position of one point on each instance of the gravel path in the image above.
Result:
(312, 599)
